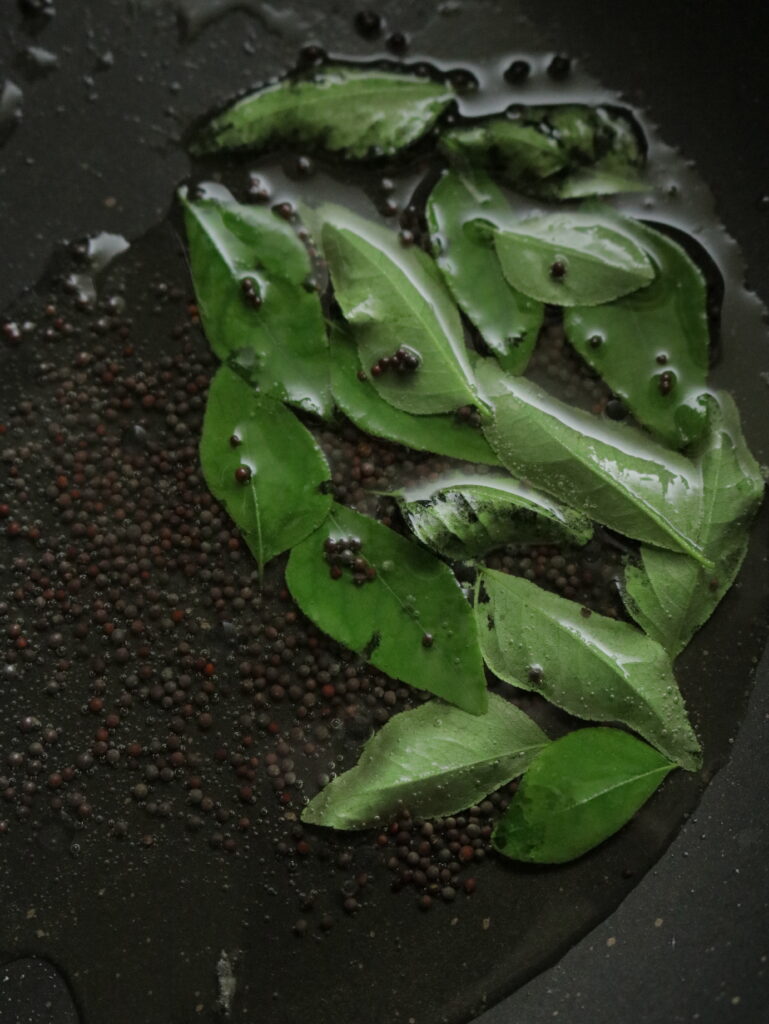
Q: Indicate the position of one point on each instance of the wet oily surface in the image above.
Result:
(164, 713)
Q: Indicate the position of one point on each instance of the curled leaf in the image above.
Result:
(471, 516)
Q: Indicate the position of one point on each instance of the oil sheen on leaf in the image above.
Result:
(393, 298)
(473, 515)
(604, 147)
(237, 252)
(594, 667)
(561, 151)
(263, 465)
(434, 761)
(507, 320)
(520, 153)
(578, 791)
(572, 258)
(442, 433)
(670, 596)
(411, 620)
(652, 347)
(356, 113)
(610, 471)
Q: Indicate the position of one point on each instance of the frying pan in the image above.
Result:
(95, 151)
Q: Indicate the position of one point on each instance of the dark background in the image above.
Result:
(691, 942)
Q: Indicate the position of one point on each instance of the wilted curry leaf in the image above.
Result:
(594, 667)
(577, 792)
(471, 516)
(604, 148)
(558, 151)
(263, 465)
(342, 110)
(250, 270)
(434, 760)
(507, 320)
(519, 152)
(409, 618)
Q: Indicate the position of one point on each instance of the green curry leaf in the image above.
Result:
(279, 498)
(393, 298)
(442, 433)
(577, 792)
(610, 471)
(238, 251)
(572, 258)
(341, 110)
(670, 595)
(434, 760)
(651, 347)
(410, 619)
(594, 667)
(507, 320)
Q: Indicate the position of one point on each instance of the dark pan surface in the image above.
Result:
(164, 916)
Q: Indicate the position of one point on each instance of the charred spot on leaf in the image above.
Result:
(371, 646)
(483, 596)
(490, 621)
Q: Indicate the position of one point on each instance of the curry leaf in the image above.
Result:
(651, 347)
(250, 270)
(263, 465)
(669, 595)
(341, 110)
(593, 666)
(610, 471)
(572, 258)
(559, 151)
(471, 516)
(409, 617)
(604, 150)
(519, 152)
(434, 760)
(393, 298)
(508, 321)
(577, 792)
(441, 433)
